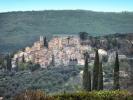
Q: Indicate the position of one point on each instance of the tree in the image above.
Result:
(2, 64)
(45, 42)
(23, 66)
(86, 76)
(8, 62)
(116, 73)
(53, 61)
(83, 35)
(100, 77)
(16, 68)
(96, 71)
(34, 67)
(23, 59)
(68, 39)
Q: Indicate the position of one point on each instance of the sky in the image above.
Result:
(94, 5)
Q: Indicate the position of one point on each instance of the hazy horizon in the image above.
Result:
(66, 10)
(92, 5)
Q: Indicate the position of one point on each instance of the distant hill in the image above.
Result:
(19, 29)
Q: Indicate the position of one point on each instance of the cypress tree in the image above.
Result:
(53, 61)
(68, 39)
(86, 76)
(100, 77)
(89, 79)
(96, 71)
(17, 65)
(8, 62)
(45, 42)
(23, 59)
(116, 73)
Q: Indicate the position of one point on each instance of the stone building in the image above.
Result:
(66, 50)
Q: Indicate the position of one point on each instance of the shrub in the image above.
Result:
(33, 95)
(34, 67)
(96, 95)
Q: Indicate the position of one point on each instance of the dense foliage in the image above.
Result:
(94, 95)
(49, 80)
(19, 29)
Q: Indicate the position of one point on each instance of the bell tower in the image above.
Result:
(41, 39)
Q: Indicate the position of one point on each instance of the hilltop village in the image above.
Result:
(70, 50)
(62, 59)
(66, 50)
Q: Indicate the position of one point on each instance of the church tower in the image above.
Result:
(41, 41)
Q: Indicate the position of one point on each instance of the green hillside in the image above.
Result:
(19, 29)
